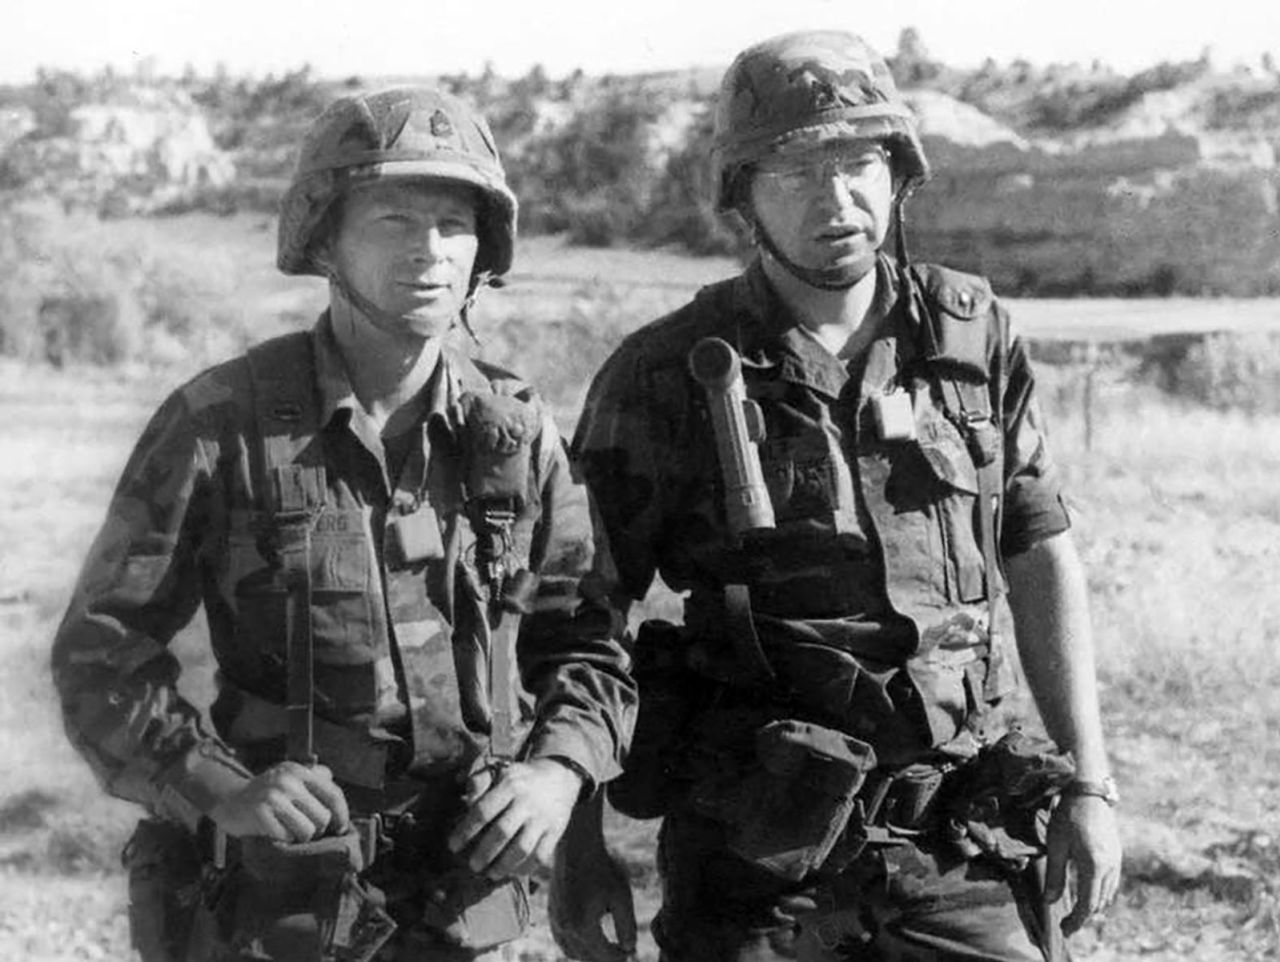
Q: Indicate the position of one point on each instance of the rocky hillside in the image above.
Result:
(1071, 182)
(1064, 179)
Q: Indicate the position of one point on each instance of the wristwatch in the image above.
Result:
(1104, 789)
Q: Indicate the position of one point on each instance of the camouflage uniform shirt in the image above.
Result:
(818, 580)
(179, 533)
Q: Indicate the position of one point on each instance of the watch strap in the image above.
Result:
(1104, 789)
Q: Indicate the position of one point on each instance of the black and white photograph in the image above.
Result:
(642, 482)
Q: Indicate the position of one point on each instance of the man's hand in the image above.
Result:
(288, 802)
(588, 884)
(515, 820)
(1083, 836)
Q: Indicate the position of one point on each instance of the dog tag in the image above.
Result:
(895, 418)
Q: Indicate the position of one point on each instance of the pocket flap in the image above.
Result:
(949, 459)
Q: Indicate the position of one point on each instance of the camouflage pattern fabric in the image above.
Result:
(185, 528)
(398, 132)
(808, 88)
(868, 597)
(875, 557)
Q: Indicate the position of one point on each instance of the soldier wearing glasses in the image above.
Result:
(839, 457)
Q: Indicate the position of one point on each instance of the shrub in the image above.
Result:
(73, 290)
(601, 218)
(681, 209)
(66, 288)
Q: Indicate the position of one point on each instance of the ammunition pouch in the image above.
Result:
(903, 801)
(473, 912)
(303, 901)
(434, 888)
(164, 868)
(787, 801)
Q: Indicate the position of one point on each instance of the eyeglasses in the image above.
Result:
(852, 168)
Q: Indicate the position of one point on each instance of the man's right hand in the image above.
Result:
(288, 802)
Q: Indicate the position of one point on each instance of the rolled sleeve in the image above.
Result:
(197, 782)
(1034, 508)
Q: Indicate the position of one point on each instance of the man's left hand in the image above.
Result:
(516, 817)
(1083, 835)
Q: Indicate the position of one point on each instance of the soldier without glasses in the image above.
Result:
(840, 458)
(415, 682)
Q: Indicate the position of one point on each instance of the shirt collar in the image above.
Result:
(769, 336)
(332, 383)
(455, 374)
(764, 312)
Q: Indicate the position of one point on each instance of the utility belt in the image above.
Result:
(798, 794)
(682, 674)
(334, 899)
(809, 799)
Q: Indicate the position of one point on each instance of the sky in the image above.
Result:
(373, 37)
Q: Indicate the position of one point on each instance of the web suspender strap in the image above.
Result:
(968, 404)
(506, 590)
(293, 533)
(502, 685)
(292, 472)
(969, 408)
(743, 637)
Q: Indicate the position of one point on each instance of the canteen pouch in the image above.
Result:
(789, 805)
(163, 864)
(304, 900)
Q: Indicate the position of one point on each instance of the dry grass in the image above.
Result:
(1175, 512)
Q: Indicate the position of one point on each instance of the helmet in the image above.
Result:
(398, 132)
(807, 88)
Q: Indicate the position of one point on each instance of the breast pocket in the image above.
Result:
(343, 595)
(807, 485)
(800, 478)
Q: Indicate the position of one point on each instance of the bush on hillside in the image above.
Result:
(681, 209)
(66, 288)
(74, 291)
(591, 176)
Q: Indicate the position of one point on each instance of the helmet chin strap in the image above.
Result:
(900, 228)
(371, 310)
(839, 278)
(479, 280)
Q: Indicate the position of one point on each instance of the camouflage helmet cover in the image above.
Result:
(801, 89)
(399, 132)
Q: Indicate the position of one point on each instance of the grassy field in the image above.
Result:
(1176, 514)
